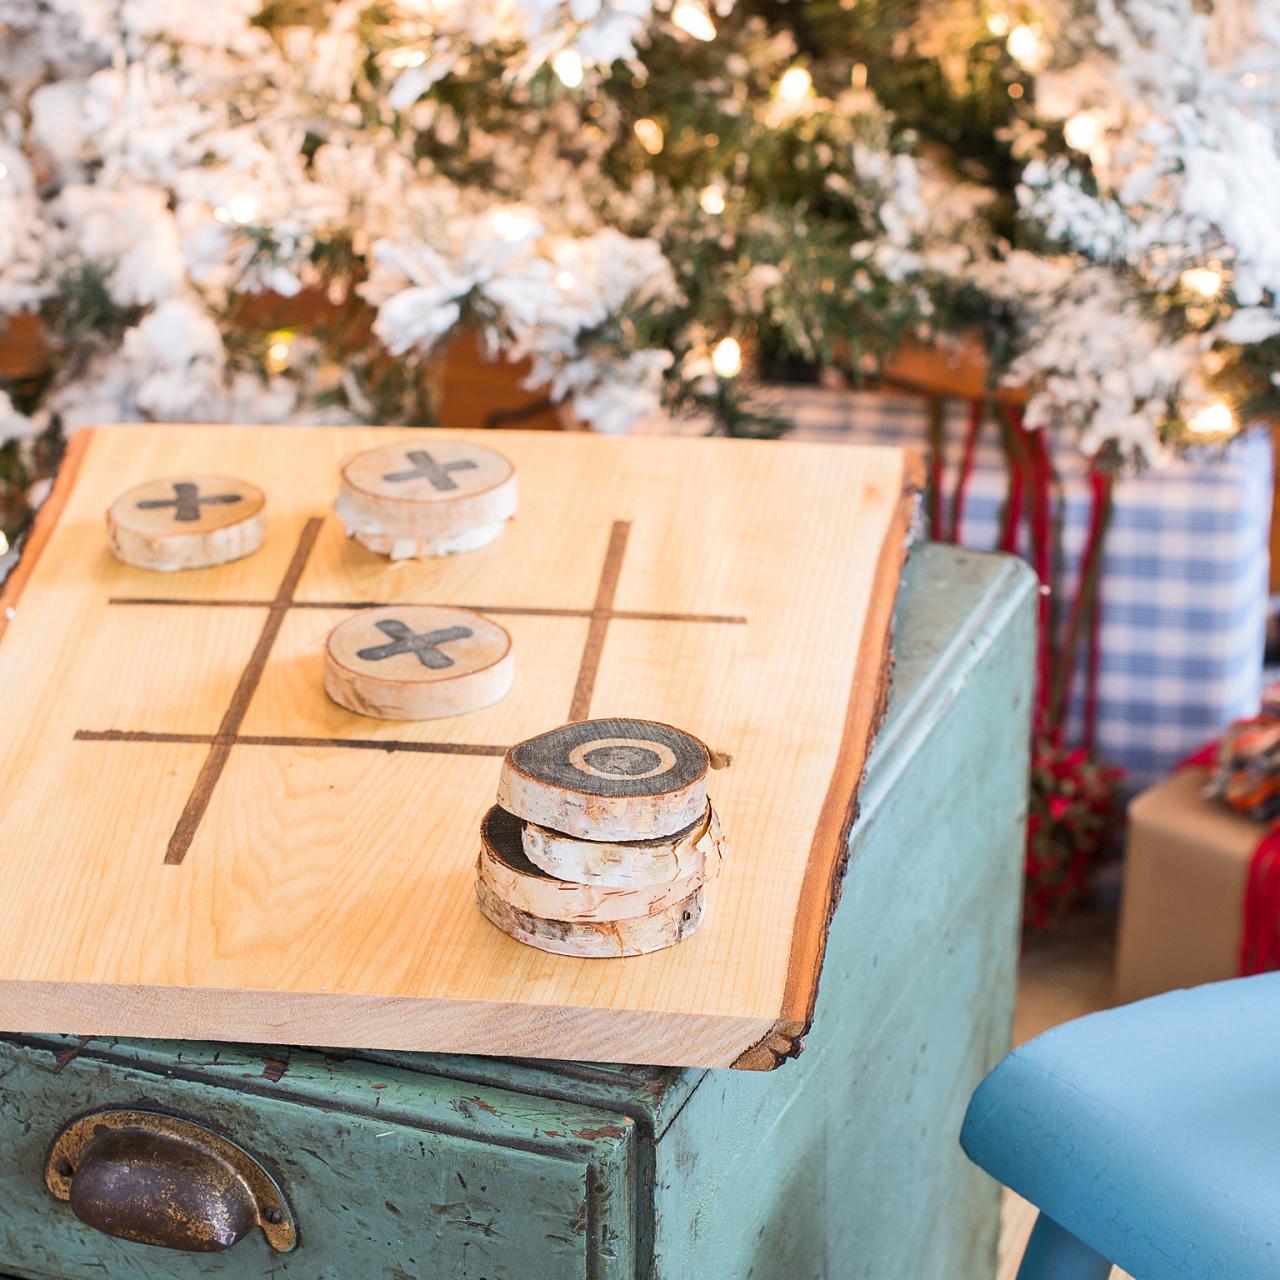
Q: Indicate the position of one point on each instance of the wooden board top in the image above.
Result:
(196, 842)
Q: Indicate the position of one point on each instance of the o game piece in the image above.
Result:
(191, 522)
(697, 851)
(594, 940)
(426, 497)
(614, 780)
(417, 662)
(505, 869)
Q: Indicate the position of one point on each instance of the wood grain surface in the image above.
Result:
(196, 842)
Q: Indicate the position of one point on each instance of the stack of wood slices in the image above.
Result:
(411, 500)
(603, 839)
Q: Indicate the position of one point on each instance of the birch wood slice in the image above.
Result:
(694, 853)
(613, 780)
(417, 662)
(504, 867)
(189, 522)
(426, 497)
(594, 940)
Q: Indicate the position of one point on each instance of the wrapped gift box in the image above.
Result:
(1184, 586)
(1185, 872)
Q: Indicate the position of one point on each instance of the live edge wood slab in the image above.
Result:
(196, 842)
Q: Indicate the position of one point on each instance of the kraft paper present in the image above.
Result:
(1185, 873)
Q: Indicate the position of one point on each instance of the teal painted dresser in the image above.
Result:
(843, 1163)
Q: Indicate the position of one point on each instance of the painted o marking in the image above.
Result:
(622, 759)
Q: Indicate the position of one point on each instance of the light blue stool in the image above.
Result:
(1148, 1136)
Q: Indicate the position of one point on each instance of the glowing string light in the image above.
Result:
(1025, 46)
(242, 208)
(694, 20)
(796, 84)
(650, 134)
(406, 57)
(1083, 131)
(567, 64)
(1212, 420)
(998, 24)
(514, 225)
(726, 358)
(1204, 281)
(712, 200)
(279, 350)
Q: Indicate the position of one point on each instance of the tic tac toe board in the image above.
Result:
(195, 842)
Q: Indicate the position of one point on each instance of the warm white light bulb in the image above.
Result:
(564, 279)
(279, 350)
(1083, 131)
(1204, 281)
(726, 358)
(242, 208)
(4, 543)
(998, 24)
(796, 84)
(711, 199)
(693, 19)
(567, 64)
(514, 224)
(4, 173)
(652, 139)
(1212, 420)
(858, 76)
(1025, 46)
(406, 57)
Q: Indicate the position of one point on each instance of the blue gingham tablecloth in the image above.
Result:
(1185, 570)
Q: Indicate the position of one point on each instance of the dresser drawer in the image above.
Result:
(387, 1172)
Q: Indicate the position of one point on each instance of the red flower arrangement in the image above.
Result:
(1074, 812)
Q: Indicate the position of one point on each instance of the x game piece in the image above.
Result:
(417, 662)
(426, 497)
(190, 522)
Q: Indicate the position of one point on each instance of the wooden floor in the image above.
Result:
(1064, 976)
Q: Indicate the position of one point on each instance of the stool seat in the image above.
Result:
(1149, 1132)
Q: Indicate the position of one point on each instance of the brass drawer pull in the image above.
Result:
(162, 1180)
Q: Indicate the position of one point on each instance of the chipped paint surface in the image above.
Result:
(388, 1172)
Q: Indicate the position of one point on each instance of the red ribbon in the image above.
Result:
(1031, 483)
(1260, 924)
(1030, 467)
(966, 468)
